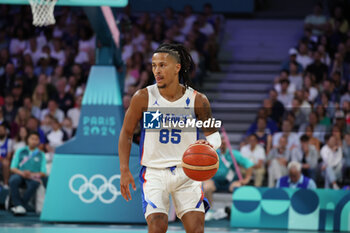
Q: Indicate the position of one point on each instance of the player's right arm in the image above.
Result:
(133, 115)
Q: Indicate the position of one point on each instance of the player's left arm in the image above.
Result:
(203, 113)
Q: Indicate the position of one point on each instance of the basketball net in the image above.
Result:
(42, 11)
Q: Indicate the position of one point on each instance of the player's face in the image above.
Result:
(165, 69)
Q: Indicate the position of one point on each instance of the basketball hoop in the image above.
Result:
(43, 12)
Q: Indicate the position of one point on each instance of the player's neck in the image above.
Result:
(172, 92)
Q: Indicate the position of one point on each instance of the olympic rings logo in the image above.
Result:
(97, 192)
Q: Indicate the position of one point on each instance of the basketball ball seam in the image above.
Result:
(201, 145)
(201, 168)
(213, 156)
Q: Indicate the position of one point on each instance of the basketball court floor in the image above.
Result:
(31, 224)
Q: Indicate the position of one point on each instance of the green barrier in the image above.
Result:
(293, 209)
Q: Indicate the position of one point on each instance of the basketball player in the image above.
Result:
(162, 150)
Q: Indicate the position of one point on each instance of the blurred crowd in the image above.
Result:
(306, 118)
(43, 73)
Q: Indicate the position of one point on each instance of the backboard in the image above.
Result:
(112, 3)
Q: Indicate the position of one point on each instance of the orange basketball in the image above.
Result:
(200, 162)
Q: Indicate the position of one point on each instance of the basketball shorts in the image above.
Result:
(158, 184)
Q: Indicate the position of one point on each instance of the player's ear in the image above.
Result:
(178, 68)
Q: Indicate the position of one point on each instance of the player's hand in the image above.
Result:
(202, 141)
(125, 180)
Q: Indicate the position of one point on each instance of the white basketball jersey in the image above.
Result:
(163, 147)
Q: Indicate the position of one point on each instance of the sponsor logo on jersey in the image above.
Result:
(157, 120)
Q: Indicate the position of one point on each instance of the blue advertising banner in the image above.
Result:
(297, 209)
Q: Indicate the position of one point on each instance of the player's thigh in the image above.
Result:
(155, 198)
(193, 222)
(188, 196)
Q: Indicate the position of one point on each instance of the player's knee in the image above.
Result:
(157, 223)
(196, 228)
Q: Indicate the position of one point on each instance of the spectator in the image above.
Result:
(295, 179)
(8, 78)
(292, 59)
(298, 113)
(284, 75)
(135, 73)
(319, 130)
(20, 139)
(20, 120)
(56, 136)
(63, 99)
(256, 154)
(277, 108)
(169, 17)
(67, 127)
(225, 178)
(6, 147)
(18, 43)
(346, 154)
(295, 76)
(307, 156)
(74, 113)
(33, 110)
(2, 120)
(303, 56)
(53, 110)
(270, 124)
(339, 19)
(338, 64)
(30, 80)
(316, 21)
(293, 139)
(338, 135)
(264, 134)
(50, 88)
(33, 126)
(57, 52)
(45, 124)
(305, 106)
(339, 121)
(324, 55)
(190, 18)
(28, 167)
(319, 69)
(346, 95)
(44, 63)
(9, 110)
(40, 96)
(327, 104)
(204, 26)
(309, 85)
(277, 161)
(33, 50)
(324, 119)
(4, 41)
(285, 96)
(329, 89)
(332, 156)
